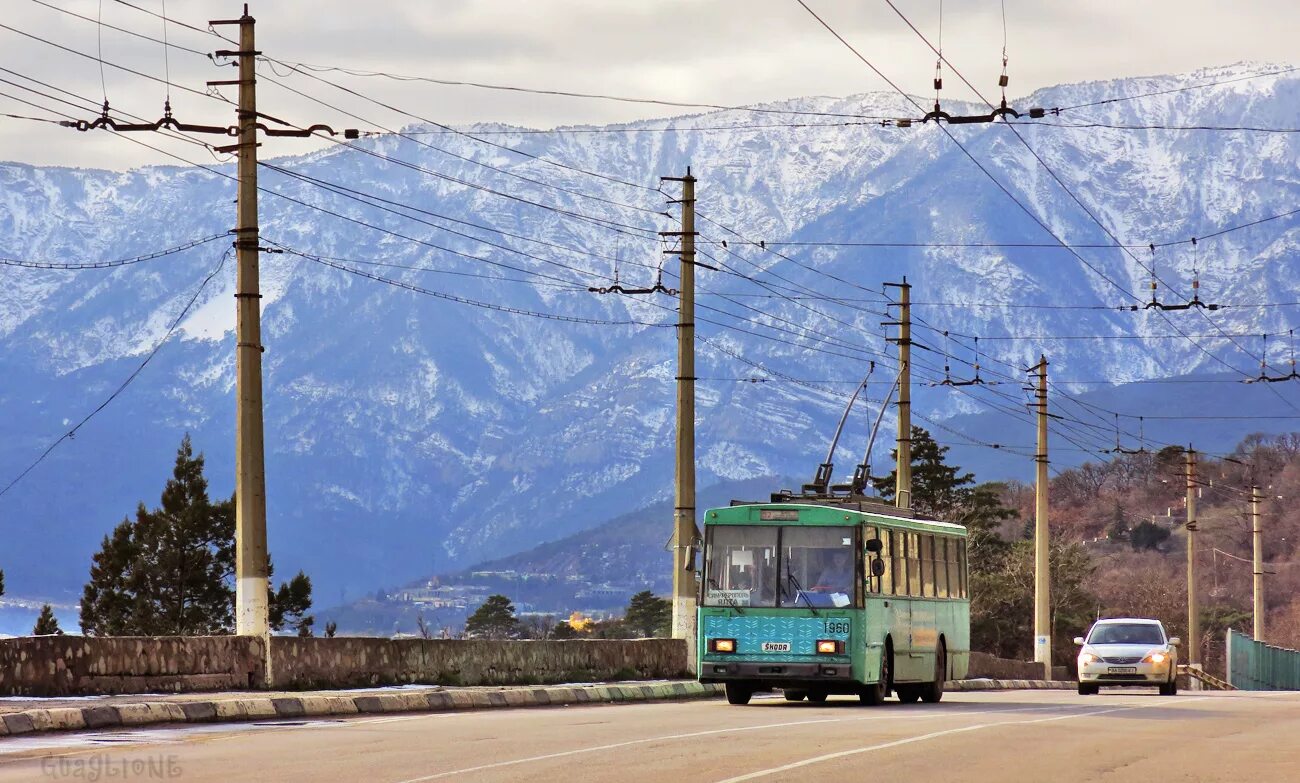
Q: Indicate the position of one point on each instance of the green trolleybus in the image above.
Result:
(818, 598)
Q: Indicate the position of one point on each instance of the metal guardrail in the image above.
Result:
(1256, 666)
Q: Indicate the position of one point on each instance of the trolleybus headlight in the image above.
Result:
(829, 647)
(722, 645)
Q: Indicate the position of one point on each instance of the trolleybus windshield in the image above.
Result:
(790, 566)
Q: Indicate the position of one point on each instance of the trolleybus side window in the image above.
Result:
(954, 581)
(941, 566)
(883, 584)
(961, 566)
(887, 555)
(913, 564)
(927, 566)
(898, 563)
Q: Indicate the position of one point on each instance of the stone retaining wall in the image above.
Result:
(80, 665)
(351, 662)
(77, 665)
(983, 665)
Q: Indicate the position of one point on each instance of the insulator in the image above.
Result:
(1002, 80)
(938, 84)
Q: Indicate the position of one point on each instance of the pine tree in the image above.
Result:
(287, 607)
(939, 490)
(648, 615)
(170, 571)
(495, 619)
(331, 628)
(47, 624)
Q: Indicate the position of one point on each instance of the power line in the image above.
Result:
(104, 62)
(127, 382)
(1089, 212)
(502, 147)
(77, 265)
(1044, 245)
(142, 36)
(460, 299)
(573, 94)
(1176, 89)
(621, 228)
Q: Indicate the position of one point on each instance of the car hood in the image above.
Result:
(1123, 650)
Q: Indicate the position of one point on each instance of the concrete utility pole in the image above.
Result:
(1042, 544)
(1193, 611)
(903, 466)
(1257, 536)
(685, 536)
(251, 617)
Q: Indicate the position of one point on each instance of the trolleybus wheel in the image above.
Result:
(738, 693)
(817, 696)
(876, 692)
(793, 695)
(907, 694)
(932, 692)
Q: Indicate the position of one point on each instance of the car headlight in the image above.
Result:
(1088, 658)
(1156, 656)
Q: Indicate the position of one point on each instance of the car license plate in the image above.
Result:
(776, 647)
(1122, 670)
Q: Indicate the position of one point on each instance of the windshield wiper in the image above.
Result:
(800, 591)
(726, 598)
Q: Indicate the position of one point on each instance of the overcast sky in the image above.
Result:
(714, 51)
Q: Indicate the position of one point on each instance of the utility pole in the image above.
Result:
(251, 604)
(685, 535)
(1193, 611)
(903, 466)
(1257, 536)
(251, 618)
(1042, 563)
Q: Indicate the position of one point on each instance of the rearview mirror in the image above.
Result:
(877, 567)
(1174, 641)
(874, 545)
(1078, 640)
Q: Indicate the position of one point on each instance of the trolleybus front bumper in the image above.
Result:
(776, 673)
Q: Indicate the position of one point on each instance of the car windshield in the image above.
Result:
(1126, 633)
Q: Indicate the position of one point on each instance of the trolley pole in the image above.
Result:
(685, 537)
(1257, 536)
(1042, 543)
(1193, 610)
(251, 618)
(903, 465)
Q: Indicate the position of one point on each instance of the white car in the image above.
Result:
(1128, 651)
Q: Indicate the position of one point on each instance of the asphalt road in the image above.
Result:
(971, 737)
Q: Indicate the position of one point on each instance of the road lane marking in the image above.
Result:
(932, 735)
(614, 746)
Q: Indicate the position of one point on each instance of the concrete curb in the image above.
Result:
(246, 708)
(984, 684)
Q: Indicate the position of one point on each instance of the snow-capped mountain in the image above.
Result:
(408, 433)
